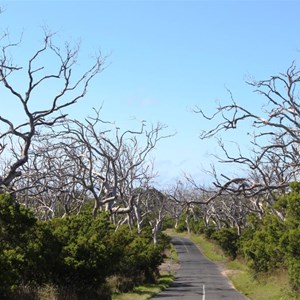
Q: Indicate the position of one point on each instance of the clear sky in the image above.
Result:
(166, 57)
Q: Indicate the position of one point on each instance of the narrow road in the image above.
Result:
(198, 278)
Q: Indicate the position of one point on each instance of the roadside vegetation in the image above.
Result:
(143, 292)
(77, 257)
(259, 261)
(80, 215)
(167, 272)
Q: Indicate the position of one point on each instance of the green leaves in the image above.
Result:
(228, 239)
(272, 241)
(21, 247)
(77, 252)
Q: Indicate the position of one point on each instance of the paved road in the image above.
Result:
(198, 278)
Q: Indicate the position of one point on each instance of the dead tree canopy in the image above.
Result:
(41, 89)
(273, 161)
(113, 162)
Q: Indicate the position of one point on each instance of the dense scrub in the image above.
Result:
(77, 253)
(268, 242)
(273, 241)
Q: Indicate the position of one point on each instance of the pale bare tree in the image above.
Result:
(155, 207)
(113, 162)
(40, 90)
(49, 184)
(274, 160)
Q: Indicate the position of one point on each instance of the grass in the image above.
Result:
(146, 291)
(173, 254)
(264, 287)
(273, 286)
(211, 250)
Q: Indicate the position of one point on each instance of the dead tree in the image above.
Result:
(41, 92)
(274, 160)
(113, 163)
(49, 184)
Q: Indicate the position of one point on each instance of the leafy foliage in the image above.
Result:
(228, 239)
(77, 252)
(85, 258)
(261, 247)
(270, 241)
(182, 226)
(290, 203)
(25, 254)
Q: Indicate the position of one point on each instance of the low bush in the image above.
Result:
(261, 248)
(290, 241)
(227, 238)
(27, 249)
(209, 231)
(73, 255)
(181, 226)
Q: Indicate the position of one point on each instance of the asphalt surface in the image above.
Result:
(198, 278)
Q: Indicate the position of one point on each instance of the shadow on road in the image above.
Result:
(198, 278)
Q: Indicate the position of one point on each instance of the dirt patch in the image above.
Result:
(231, 272)
(169, 266)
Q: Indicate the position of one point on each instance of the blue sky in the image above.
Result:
(166, 57)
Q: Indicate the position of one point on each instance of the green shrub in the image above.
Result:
(290, 241)
(24, 249)
(168, 223)
(141, 258)
(293, 257)
(262, 248)
(85, 258)
(182, 226)
(197, 226)
(74, 255)
(227, 238)
(209, 231)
